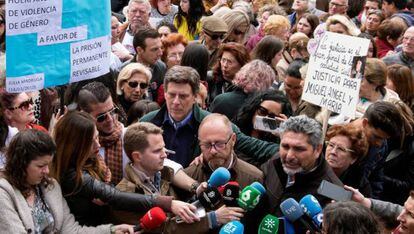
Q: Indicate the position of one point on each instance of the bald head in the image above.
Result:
(216, 121)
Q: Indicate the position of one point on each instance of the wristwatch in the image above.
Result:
(194, 186)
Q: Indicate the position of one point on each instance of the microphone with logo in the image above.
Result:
(312, 208)
(230, 192)
(211, 197)
(232, 227)
(250, 196)
(153, 219)
(269, 225)
(294, 213)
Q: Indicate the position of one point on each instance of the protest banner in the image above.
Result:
(55, 42)
(334, 72)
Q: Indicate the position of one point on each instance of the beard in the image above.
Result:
(292, 171)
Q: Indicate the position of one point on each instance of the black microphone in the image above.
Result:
(210, 198)
(231, 192)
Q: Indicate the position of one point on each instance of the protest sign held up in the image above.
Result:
(55, 42)
(334, 73)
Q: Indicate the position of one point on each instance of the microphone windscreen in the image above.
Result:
(154, 218)
(230, 193)
(249, 198)
(269, 225)
(291, 209)
(219, 177)
(232, 227)
(310, 205)
(210, 198)
(259, 187)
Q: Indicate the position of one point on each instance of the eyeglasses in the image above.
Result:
(340, 148)
(102, 117)
(218, 146)
(336, 4)
(265, 112)
(24, 105)
(215, 36)
(134, 84)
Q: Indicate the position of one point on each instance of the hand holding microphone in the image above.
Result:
(226, 214)
(185, 211)
(211, 197)
(312, 208)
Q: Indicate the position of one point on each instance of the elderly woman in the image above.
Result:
(31, 201)
(373, 86)
(231, 57)
(173, 48)
(346, 146)
(18, 110)
(342, 25)
(389, 35)
(253, 77)
(238, 24)
(162, 11)
(373, 21)
(132, 85)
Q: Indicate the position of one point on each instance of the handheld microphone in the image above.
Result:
(294, 213)
(232, 227)
(231, 191)
(259, 187)
(219, 177)
(210, 198)
(249, 198)
(312, 208)
(153, 219)
(269, 225)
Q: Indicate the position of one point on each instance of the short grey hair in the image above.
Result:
(305, 125)
(146, 2)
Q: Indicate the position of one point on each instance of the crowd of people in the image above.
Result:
(190, 83)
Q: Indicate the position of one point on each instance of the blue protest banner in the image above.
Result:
(55, 42)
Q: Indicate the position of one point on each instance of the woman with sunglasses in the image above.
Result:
(346, 147)
(31, 201)
(18, 110)
(132, 86)
(84, 177)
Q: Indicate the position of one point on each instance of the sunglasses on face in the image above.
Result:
(24, 105)
(265, 112)
(134, 84)
(102, 117)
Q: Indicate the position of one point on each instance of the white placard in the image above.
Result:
(25, 83)
(62, 36)
(328, 81)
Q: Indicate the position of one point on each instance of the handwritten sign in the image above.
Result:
(54, 42)
(328, 81)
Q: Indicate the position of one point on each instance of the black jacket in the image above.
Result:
(88, 213)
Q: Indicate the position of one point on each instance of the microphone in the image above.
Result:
(259, 187)
(294, 213)
(269, 225)
(312, 208)
(219, 177)
(249, 198)
(232, 227)
(210, 198)
(231, 192)
(153, 219)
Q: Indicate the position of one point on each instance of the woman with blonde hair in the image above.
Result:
(342, 25)
(132, 86)
(278, 26)
(238, 24)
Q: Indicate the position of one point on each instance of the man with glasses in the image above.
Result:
(212, 34)
(381, 121)
(406, 55)
(217, 142)
(335, 7)
(181, 116)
